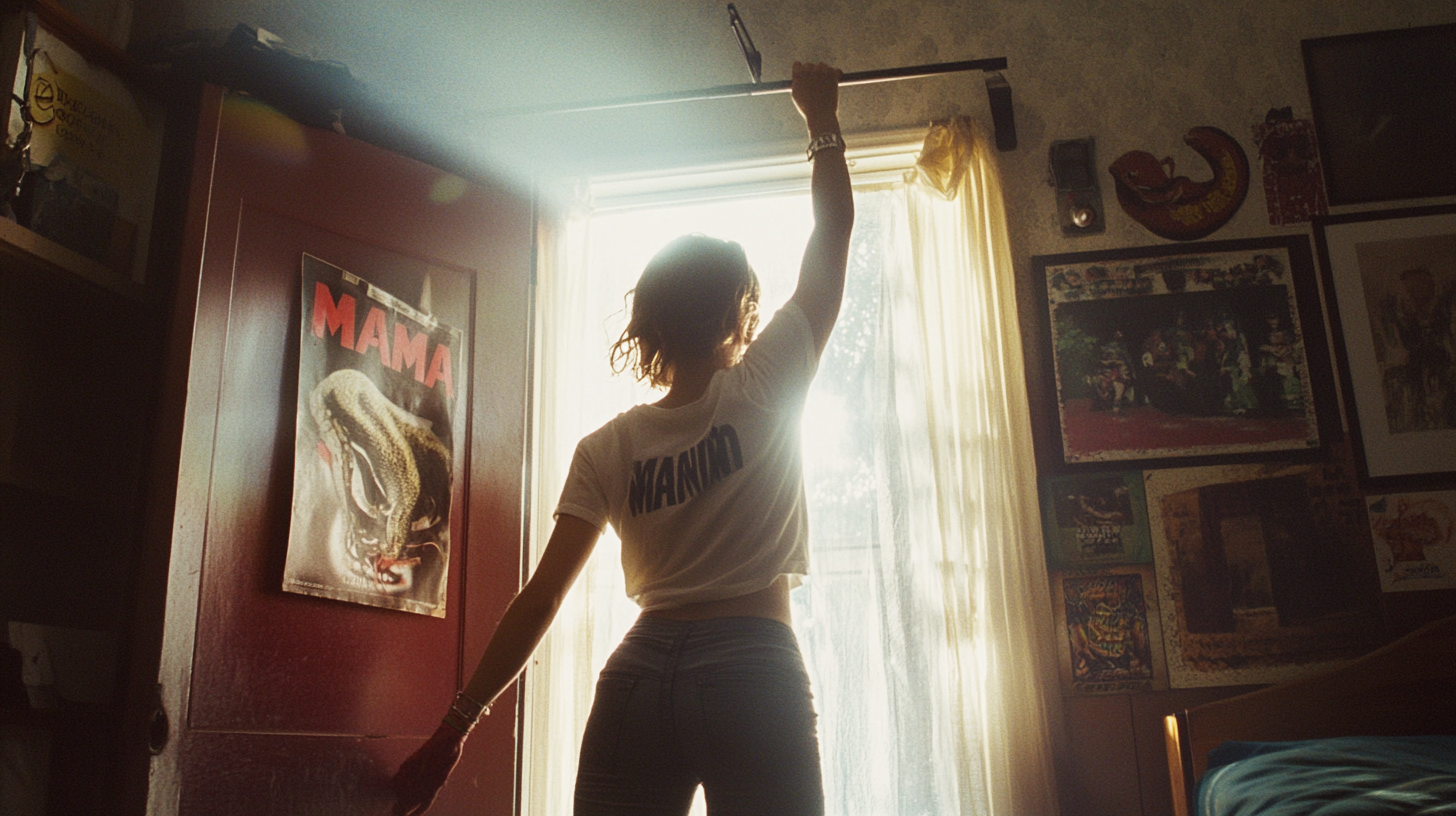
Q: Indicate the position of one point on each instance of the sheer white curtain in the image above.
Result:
(960, 442)
(926, 623)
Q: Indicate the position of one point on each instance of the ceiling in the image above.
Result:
(444, 65)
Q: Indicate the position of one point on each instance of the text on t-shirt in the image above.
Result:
(668, 480)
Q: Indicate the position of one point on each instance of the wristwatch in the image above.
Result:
(822, 141)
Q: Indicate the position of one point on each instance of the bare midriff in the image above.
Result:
(770, 602)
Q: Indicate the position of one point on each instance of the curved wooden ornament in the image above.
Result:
(1176, 207)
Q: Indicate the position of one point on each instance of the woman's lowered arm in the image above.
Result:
(525, 622)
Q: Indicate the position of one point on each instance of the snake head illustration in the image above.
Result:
(1146, 177)
(389, 470)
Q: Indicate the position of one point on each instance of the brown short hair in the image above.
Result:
(697, 297)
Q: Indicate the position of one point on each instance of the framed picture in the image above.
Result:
(1177, 355)
(1383, 103)
(1109, 635)
(1390, 280)
(1095, 519)
(1263, 570)
(1415, 539)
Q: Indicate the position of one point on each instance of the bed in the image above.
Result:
(1374, 736)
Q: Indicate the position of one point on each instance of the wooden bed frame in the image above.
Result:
(1405, 688)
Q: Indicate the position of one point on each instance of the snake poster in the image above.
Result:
(375, 449)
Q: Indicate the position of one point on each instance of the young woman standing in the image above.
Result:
(705, 489)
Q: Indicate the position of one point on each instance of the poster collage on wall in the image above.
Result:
(1231, 574)
(1207, 521)
(1221, 505)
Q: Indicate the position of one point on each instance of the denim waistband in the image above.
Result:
(656, 646)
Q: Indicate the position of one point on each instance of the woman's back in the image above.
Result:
(707, 497)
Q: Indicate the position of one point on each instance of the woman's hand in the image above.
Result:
(422, 775)
(815, 90)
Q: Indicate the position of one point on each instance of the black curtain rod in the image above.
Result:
(753, 88)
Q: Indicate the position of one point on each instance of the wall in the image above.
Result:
(1135, 75)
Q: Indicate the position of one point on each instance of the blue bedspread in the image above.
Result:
(1345, 776)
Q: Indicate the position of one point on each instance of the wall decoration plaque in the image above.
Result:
(1177, 207)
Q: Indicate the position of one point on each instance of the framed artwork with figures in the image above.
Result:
(1390, 283)
(1178, 355)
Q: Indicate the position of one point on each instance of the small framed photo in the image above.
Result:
(1390, 282)
(1109, 637)
(1177, 355)
(1095, 519)
(1415, 539)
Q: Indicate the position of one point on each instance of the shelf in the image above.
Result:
(85, 70)
(18, 242)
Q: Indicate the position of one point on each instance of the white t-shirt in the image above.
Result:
(708, 498)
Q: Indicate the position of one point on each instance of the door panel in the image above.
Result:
(269, 660)
(285, 703)
(288, 774)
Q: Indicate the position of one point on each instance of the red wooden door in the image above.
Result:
(284, 703)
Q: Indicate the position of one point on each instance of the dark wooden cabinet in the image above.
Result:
(146, 431)
(79, 374)
(279, 702)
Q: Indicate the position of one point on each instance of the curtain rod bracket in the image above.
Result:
(998, 93)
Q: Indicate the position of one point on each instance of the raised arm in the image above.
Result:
(821, 274)
(520, 630)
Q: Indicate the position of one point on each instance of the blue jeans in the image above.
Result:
(724, 703)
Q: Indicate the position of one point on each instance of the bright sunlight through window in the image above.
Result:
(922, 616)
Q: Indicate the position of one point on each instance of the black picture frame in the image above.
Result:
(1401, 440)
(1383, 104)
(1140, 311)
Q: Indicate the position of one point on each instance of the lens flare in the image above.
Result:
(447, 189)
(267, 131)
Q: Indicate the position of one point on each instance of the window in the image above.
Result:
(892, 618)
